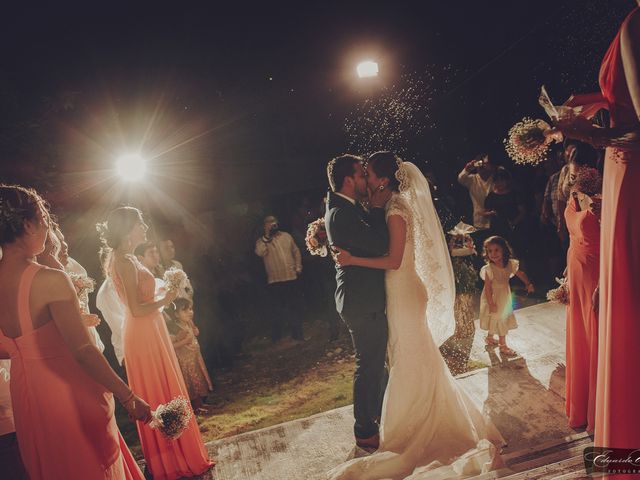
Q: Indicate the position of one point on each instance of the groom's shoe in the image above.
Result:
(369, 444)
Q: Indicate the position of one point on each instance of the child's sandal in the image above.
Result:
(506, 351)
(490, 341)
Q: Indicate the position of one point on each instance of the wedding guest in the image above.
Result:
(10, 460)
(187, 348)
(49, 256)
(112, 310)
(61, 386)
(617, 424)
(149, 256)
(569, 146)
(477, 177)
(152, 366)
(283, 265)
(549, 218)
(72, 267)
(167, 251)
(496, 308)
(504, 207)
(583, 270)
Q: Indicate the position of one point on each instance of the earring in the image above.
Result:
(381, 187)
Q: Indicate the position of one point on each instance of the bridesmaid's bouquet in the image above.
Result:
(172, 418)
(176, 278)
(528, 141)
(84, 286)
(316, 239)
(560, 294)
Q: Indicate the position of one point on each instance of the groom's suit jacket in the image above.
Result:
(359, 290)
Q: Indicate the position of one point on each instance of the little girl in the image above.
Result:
(187, 350)
(496, 309)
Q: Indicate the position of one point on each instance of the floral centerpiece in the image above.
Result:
(316, 238)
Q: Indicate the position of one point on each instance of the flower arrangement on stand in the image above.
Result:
(462, 250)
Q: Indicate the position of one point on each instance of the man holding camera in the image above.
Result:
(477, 177)
(283, 265)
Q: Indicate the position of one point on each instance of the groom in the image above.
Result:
(360, 294)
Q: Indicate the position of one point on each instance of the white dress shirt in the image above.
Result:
(112, 311)
(74, 267)
(479, 189)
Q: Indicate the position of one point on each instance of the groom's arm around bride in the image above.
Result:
(360, 294)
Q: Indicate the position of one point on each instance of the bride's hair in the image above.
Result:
(119, 224)
(18, 205)
(385, 164)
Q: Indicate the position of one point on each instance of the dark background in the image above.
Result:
(238, 108)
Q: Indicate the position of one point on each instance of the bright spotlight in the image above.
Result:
(367, 69)
(131, 167)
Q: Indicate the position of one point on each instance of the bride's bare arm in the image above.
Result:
(397, 236)
(129, 275)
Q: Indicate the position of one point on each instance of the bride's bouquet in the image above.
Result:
(316, 239)
(172, 418)
(176, 278)
(528, 141)
(84, 285)
(560, 294)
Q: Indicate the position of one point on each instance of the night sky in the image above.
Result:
(240, 103)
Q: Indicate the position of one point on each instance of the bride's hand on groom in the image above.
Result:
(342, 257)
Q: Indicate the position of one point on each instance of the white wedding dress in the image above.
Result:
(430, 428)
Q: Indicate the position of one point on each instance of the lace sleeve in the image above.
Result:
(514, 266)
(397, 206)
(486, 272)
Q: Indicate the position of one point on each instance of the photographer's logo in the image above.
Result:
(611, 460)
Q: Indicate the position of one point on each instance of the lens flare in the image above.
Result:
(131, 168)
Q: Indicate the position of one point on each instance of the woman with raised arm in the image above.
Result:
(151, 363)
(617, 424)
(62, 387)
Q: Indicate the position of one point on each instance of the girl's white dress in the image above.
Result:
(503, 320)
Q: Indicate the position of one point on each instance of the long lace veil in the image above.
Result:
(433, 263)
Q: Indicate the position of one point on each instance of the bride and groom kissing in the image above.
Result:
(395, 292)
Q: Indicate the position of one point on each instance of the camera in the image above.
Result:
(274, 228)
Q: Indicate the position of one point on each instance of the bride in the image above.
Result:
(430, 428)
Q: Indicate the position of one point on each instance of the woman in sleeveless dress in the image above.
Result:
(430, 427)
(617, 424)
(61, 386)
(151, 363)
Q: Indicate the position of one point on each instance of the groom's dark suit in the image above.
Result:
(360, 301)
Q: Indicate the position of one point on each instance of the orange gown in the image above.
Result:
(64, 419)
(154, 374)
(617, 419)
(583, 270)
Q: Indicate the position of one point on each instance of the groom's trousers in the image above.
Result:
(369, 333)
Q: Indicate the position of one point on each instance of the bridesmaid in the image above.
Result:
(152, 366)
(583, 270)
(617, 423)
(71, 433)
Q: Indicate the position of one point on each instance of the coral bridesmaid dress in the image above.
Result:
(154, 374)
(583, 270)
(618, 391)
(64, 419)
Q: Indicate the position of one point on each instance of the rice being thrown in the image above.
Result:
(172, 418)
(528, 141)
